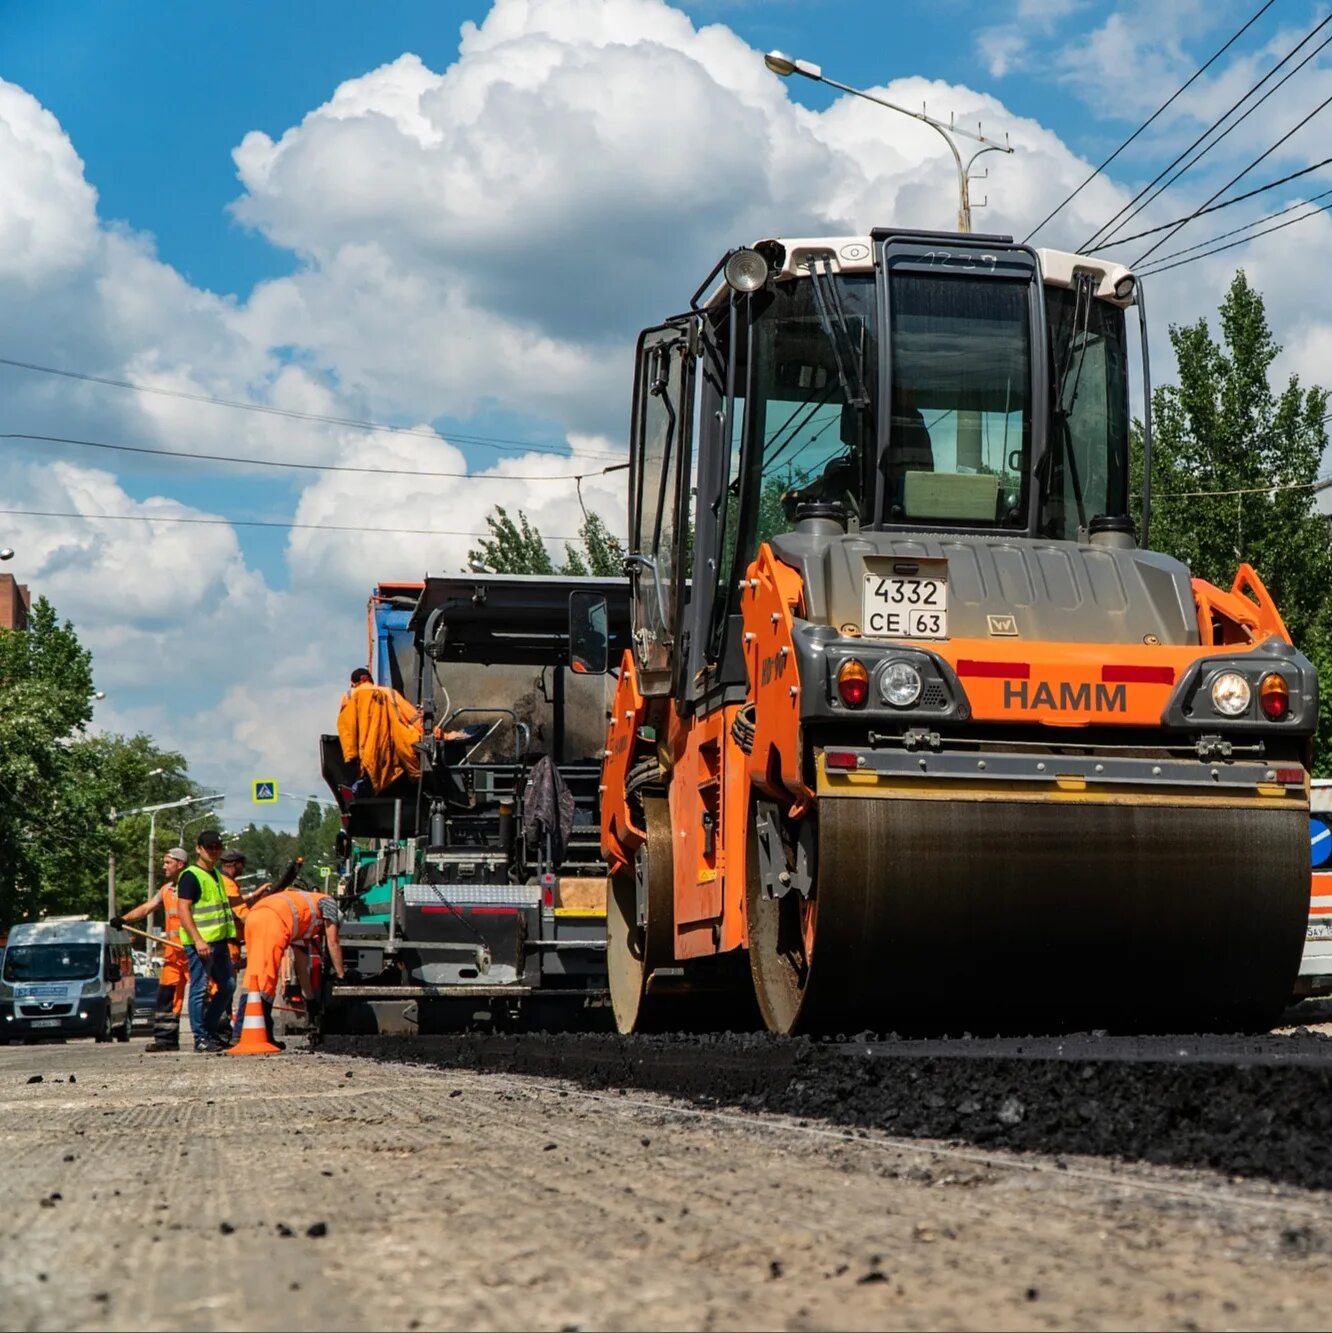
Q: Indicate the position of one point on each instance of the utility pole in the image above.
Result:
(110, 884)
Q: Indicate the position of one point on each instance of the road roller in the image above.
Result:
(915, 730)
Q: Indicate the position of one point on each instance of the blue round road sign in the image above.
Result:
(1320, 842)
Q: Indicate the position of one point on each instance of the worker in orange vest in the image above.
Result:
(293, 919)
(175, 974)
(230, 868)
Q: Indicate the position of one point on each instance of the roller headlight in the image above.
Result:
(1231, 694)
(746, 270)
(900, 684)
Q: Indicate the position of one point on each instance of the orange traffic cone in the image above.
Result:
(254, 1031)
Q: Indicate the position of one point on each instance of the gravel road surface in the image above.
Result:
(334, 1192)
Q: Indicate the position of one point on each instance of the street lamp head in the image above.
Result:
(782, 64)
(6, 552)
(99, 694)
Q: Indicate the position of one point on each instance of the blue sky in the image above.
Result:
(156, 94)
(471, 239)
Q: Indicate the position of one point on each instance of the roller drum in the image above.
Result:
(999, 912)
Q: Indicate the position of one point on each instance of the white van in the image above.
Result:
(66, 977)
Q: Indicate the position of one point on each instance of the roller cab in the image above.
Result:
(913, 720)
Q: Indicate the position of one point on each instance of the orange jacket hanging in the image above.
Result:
(379, 730)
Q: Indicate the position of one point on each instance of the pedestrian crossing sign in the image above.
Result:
(265, 791)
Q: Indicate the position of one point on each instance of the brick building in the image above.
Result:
(14, 602)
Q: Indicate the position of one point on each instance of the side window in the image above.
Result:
(663, 409)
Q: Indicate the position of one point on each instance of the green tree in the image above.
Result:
(132, 771)
(58, 785)
(512, 548)
(518, 548)
(601, 554)
(1255, 453)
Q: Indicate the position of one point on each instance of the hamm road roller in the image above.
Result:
(912, 723)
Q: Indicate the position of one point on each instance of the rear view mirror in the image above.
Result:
(589, 643)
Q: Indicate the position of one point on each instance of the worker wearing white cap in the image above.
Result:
(175, 975)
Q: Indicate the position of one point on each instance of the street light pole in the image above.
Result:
(785, 66)
(152, 811)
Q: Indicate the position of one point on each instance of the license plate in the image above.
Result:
(902, 607)
(45, 1023)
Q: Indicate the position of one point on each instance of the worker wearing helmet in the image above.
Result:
(292, 919)
(174, 976)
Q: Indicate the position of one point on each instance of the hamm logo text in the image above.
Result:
(1067, 698)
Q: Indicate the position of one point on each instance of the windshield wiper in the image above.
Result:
(832, 320)
(1083, 295)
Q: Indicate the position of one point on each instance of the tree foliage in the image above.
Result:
(1255, 451)
(267, 850)
(512, 548)
(58, 785)
(601, 554)
(517, 547)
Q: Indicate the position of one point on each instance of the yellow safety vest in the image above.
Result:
(211, 911)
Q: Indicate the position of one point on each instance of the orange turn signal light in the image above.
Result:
(853, 683)
(1274, 696)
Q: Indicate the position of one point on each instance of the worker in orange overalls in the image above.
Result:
(292, 919)
(379, 731)
(175, 974)
(230, 868)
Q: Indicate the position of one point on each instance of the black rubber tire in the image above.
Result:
(105, 1033)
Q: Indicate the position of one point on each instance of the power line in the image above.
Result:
(1215, 208)
(1179, 263)
(1320, 485)
(1137, 207)
(307, 467)
(1188, 166)
(352, 423)
(1202, 69)
(259, 523)
(1290, 208)
(1266, 153)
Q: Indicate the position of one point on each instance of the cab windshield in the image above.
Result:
(812, 409)
(52, 962)
(959, 432)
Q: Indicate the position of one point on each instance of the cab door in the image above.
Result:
(659, 457)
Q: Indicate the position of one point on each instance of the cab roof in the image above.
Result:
(514, 619)
(855, 254)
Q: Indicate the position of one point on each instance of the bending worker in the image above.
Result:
(291, 918)
(231, 868)
(174, 976)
